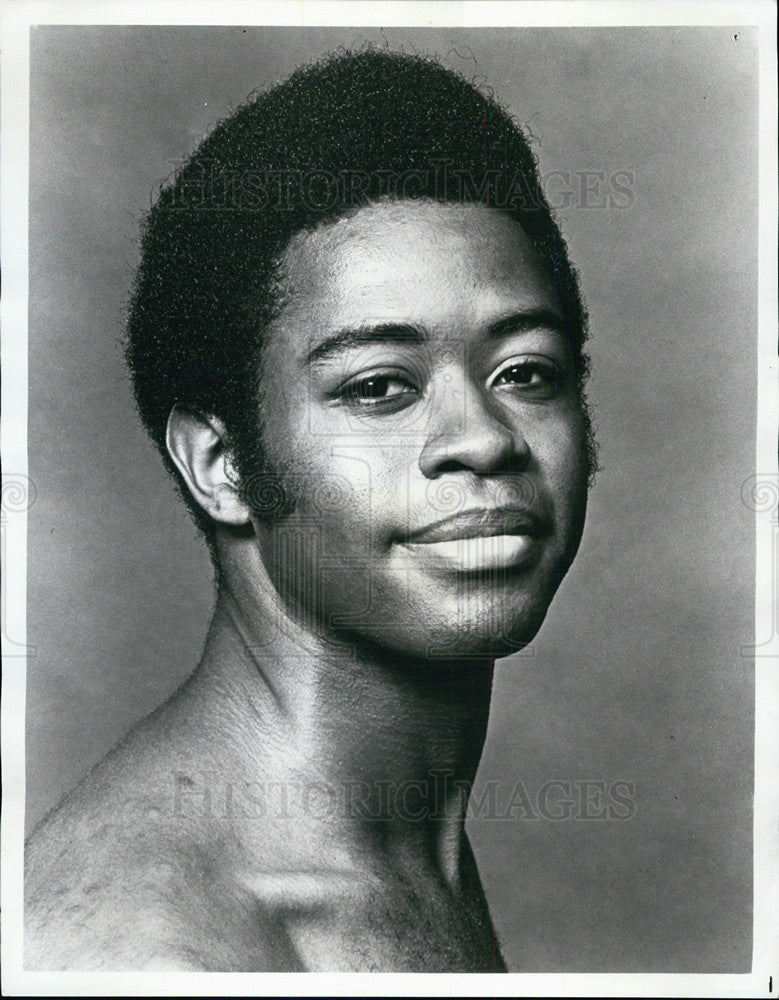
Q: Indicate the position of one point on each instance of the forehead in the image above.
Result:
(452, 269)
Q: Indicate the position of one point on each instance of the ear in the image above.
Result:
(197, 444)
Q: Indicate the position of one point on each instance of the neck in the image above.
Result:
(376, 750)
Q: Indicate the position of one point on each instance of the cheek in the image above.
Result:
(568, 474)
(324, 557)
(559, 447)
(562, 438)
(346, 491)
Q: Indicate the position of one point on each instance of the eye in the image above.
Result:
(536, 378)
(379, 391)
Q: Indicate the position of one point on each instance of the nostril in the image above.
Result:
(450, 465)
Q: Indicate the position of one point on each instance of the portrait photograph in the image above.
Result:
(389, 499)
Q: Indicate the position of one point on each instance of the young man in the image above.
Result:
(357, 341)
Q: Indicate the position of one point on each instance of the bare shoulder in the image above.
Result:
(116, 879)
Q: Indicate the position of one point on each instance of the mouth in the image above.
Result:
(478, 540)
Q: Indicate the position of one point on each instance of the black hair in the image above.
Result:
(353, 128)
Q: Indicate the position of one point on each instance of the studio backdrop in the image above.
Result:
(612, 816)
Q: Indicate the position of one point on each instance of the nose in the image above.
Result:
(471, 433)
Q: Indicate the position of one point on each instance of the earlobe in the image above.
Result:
(196, 443)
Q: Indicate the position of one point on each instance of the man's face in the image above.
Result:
(423, 408)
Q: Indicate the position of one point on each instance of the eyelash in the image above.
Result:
(551, 378)
(349, 392)
(549, 383)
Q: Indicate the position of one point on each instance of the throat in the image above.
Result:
(374, 752)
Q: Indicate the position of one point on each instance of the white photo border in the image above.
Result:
(17, 17)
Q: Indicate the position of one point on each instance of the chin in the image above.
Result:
(481, 640)
(490, 631)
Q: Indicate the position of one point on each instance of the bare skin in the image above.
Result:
(299, 804)
(163, 857)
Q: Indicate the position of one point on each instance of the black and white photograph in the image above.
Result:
(387, 510)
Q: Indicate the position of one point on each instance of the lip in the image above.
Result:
(482, 522)
(480, 539)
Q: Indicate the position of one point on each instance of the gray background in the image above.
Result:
(637, 674)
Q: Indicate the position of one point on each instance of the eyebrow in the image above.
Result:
(400, 333)
(403, 333)
(531, 319)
